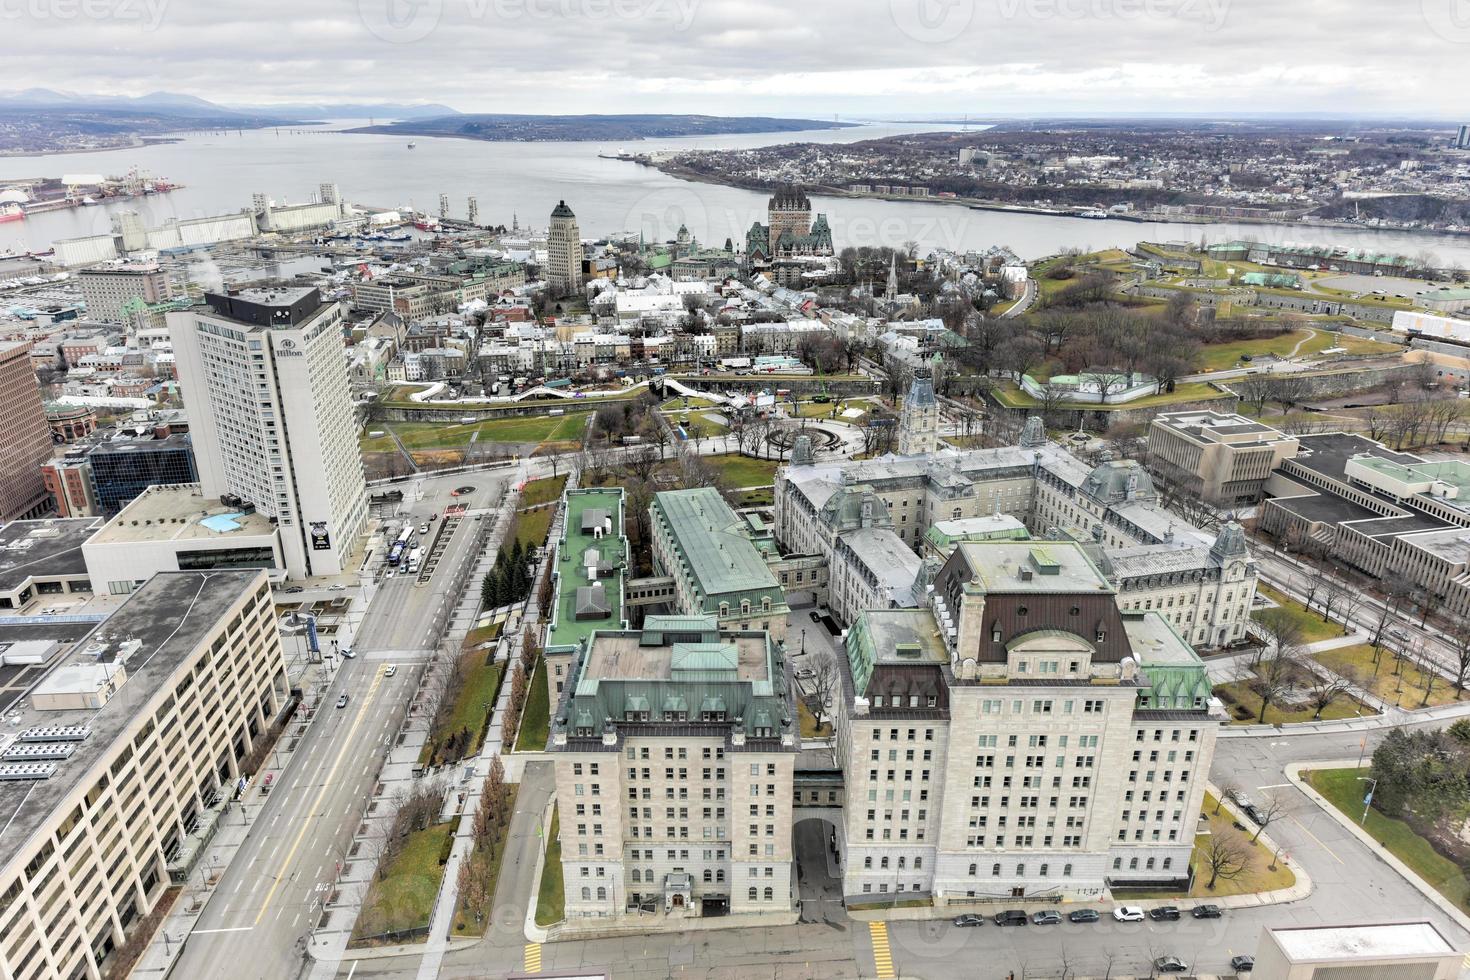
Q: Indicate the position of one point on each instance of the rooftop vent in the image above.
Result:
(26, 770)
(38, 751)
(55, 733)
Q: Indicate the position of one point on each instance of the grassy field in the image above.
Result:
(1218, 357)
(1310, 623)
(551, 895)
(487, 866)
(423, 436)
(743, 471)
(469, 710)
(481, 634)
(679, 403)
(1238, 695)
(810, 728)
(542, 491)
(1343, 790)
(1193, 391)
(1406, 687)
(536, 718)
(531, 527)
(404, 898)
(1258, 875)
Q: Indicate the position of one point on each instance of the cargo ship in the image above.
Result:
(10, 211)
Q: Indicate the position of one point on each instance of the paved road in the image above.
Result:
(257, 922)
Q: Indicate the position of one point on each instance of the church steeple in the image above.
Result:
(890, 293)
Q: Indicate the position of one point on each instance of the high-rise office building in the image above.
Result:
(563, 252)
(265, 382)
(25, 436)
(1462, 140)
(112, 292)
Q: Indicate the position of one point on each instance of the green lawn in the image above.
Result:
(1310, 623)
(1406, 687)
(481, 634)
(532, 526)
(1258, 875)
(743, 471)
(1192, 391)
(536, 718)
(487, 866)
(1218, 357)
(1343, 790)
(809, 725)
(404, 898)
(452, 435)
(468, 713)
(1241, 700)
(551, 896)
(542, 491)
(679, 403)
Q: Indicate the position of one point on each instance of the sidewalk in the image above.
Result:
(1294, 774)
(1299, 890)
(235, 822)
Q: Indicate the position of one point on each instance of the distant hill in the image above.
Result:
(509, 127)
(352, 110)
(190, 105)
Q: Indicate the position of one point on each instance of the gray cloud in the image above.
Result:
(875, 57)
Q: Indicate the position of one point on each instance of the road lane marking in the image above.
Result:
(531, 961)
(321, 794)
(1314, 837)
(201, 932)
(882, 954)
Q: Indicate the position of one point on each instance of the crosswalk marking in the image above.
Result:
(532, 962)
(882, 955)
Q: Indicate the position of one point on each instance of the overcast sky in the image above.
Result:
(858, 58)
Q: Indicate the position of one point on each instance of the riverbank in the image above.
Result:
(1007, 207)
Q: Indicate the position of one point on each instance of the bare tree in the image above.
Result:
(1228, 789)
(1458, 636)
(1327, 686)
(1224, 858)
(1276, 677)
(1269, 810)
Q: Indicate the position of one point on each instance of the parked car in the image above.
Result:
(1128, 913)
(1255, 813)
(1170, 964)
(804, 673)
(1242, 963)
(338, 588)
(342, 701)
(1165, 913)
(293, 590)
(392, 669)
(969, 919)
(348, 652)
(1206, 912)
(1011, 917)
(1047, 917)
(1239, 798)
(815, 617)
(1083, 915)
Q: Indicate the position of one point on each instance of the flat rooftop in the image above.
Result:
(169, 616)
(572, 572)
(180, 512)
(892, 628)
(1329, 452)
(1054, 566)
(1155, 642)
(40, 549)
(620, 656)
(1332, 943)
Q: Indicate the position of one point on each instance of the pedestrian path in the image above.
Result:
(882, 954)
(531, 961)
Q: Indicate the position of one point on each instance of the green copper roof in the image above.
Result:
(611, 554)
(715, 542)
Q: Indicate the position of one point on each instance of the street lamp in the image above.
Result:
(803, 641)
(1368, 799)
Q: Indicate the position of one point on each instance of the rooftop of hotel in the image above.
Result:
(167, 618)
(586, 511)
(180, 512)
(1032, 566)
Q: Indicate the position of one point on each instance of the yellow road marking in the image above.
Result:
(1314, 837)
(532, 959)
(882, 954)
(316, 803)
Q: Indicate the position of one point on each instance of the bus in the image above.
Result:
(396, 552)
